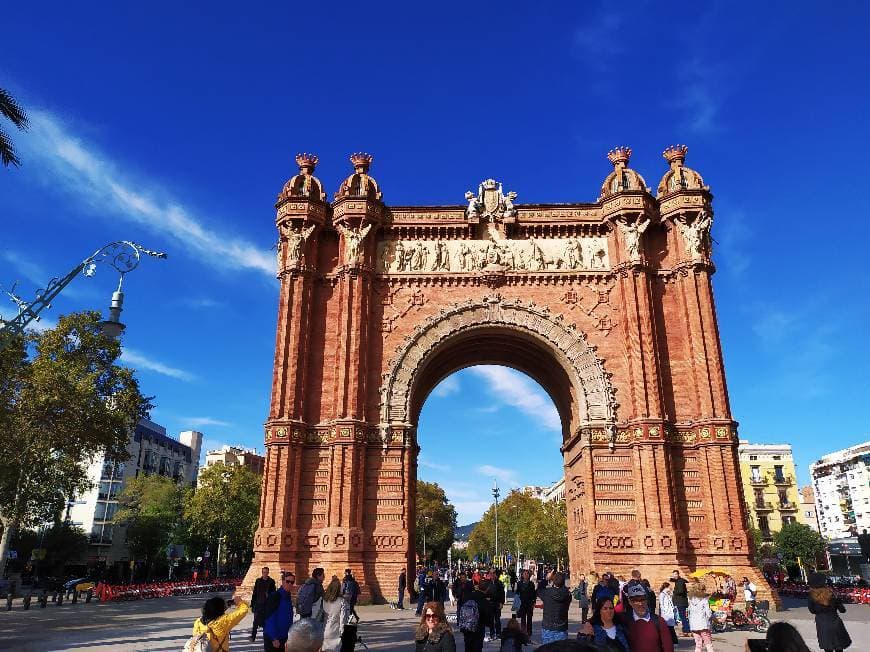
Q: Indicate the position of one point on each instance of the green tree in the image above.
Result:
(12, 111)
(796, 541)
(63, 401)
(437, 517)
(224, 507)
(538, 529)
(150, 508)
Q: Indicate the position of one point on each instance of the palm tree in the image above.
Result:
(10, 109)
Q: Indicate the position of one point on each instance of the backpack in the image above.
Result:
(469, 616)
(202, 642)
(305, 599)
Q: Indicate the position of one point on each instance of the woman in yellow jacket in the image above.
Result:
(217, 623)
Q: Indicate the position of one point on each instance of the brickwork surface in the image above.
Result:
(620, 329)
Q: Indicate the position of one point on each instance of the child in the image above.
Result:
(699, 617)
(667, 610)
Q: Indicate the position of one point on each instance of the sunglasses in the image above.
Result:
(431, 616)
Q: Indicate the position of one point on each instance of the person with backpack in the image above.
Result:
(472, 618)
(277, 614)
(310, 594)
(581, 595)
(646, 631)
(211, 631)
(263, 588)
(557, 601)
(350, 591)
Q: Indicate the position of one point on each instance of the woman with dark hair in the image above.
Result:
(781, 637)
(433, 633)
(830, 629)
(513, 637)
(216, 623)
(605, 628)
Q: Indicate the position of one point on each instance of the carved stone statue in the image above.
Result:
(352, 240)
(419, 255)
(442, 257)
(536, 257)
(474, 206)
(631, 233)
(509, 210)
(466, 258)
(573, 254)
(295, 242)
(399, 255)
(491, 203)
(508, 258)
(492, 253)
(696, 234)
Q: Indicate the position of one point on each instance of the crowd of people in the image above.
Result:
(617, 614)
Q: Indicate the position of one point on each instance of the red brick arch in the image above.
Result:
(608, 305)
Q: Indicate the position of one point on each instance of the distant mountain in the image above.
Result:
(462, 532)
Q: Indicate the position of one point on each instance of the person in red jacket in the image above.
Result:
(646, 631)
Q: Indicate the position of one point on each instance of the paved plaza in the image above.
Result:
(165, 624)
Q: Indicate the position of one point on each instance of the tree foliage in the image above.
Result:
(150, 508)
(799, 541)
(226, 504)
(62, 542)
(63, 401)
(12, 111)
(437, 516)
(538, 529)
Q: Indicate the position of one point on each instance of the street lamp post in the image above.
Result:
(495, 494)
(123, 255)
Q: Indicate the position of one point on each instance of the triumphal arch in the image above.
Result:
(607, 304)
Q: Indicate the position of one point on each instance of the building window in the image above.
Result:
(752, 458)
(777, 457)
(777, 473)
(755, 473)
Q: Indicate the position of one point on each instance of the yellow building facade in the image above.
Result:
(770, 487)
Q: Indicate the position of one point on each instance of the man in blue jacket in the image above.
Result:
(278, 615)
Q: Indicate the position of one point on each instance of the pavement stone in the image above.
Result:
(165, 624)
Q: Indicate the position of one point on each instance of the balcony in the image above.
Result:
(763, 506)
(788, 507)
(783, 480)
(757, 481)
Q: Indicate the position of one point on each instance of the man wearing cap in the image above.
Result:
(646, 631)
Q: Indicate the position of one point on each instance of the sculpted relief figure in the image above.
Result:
(442, 257)
(295, 242)
(573, 254)
(631, 233)
(474, 205)
(492, 254)
(466, 258)
(509, 210)
(418, 255)
(696, 234)
(353, 239)
(536, 258)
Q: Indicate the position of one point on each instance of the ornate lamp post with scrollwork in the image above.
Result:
(123, 255)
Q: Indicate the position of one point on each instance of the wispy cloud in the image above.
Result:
(200, 422)
(142, 361)
(507, 476)
(422, 461)
(201, 302)
(31, 271)
(734, 238)
(446, 387)
(95, 179)
(470, 511)
(596, 43)
(515, 389)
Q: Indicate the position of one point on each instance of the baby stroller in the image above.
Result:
(349, 636)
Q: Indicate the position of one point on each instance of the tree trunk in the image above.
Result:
(9, 528)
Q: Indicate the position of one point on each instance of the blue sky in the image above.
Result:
(175, 124)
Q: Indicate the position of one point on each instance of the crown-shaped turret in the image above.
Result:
(679, 177)
(623, 177)
(360, 184)
(304, 184)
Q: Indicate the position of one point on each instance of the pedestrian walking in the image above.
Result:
(278, 615)
(557, 600)
(581, 595)
(336, 612)
(827, 607)
(473, 617)
(699, 617)
(680, 597)
(434, 633)
(496, 595)
(310, 596)
(605, 628)
(403, 585)
(646, 631)
(528, 594)
(350, 591)
(667, 610)
(602, 589)
(462, 588)
(215, 623)
(263, 588)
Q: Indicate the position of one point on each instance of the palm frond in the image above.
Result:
(12, 110)
(7, 151)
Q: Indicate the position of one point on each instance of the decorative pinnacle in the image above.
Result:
(675, 154)
(619, 156)
(361, 161)
(306, 162)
